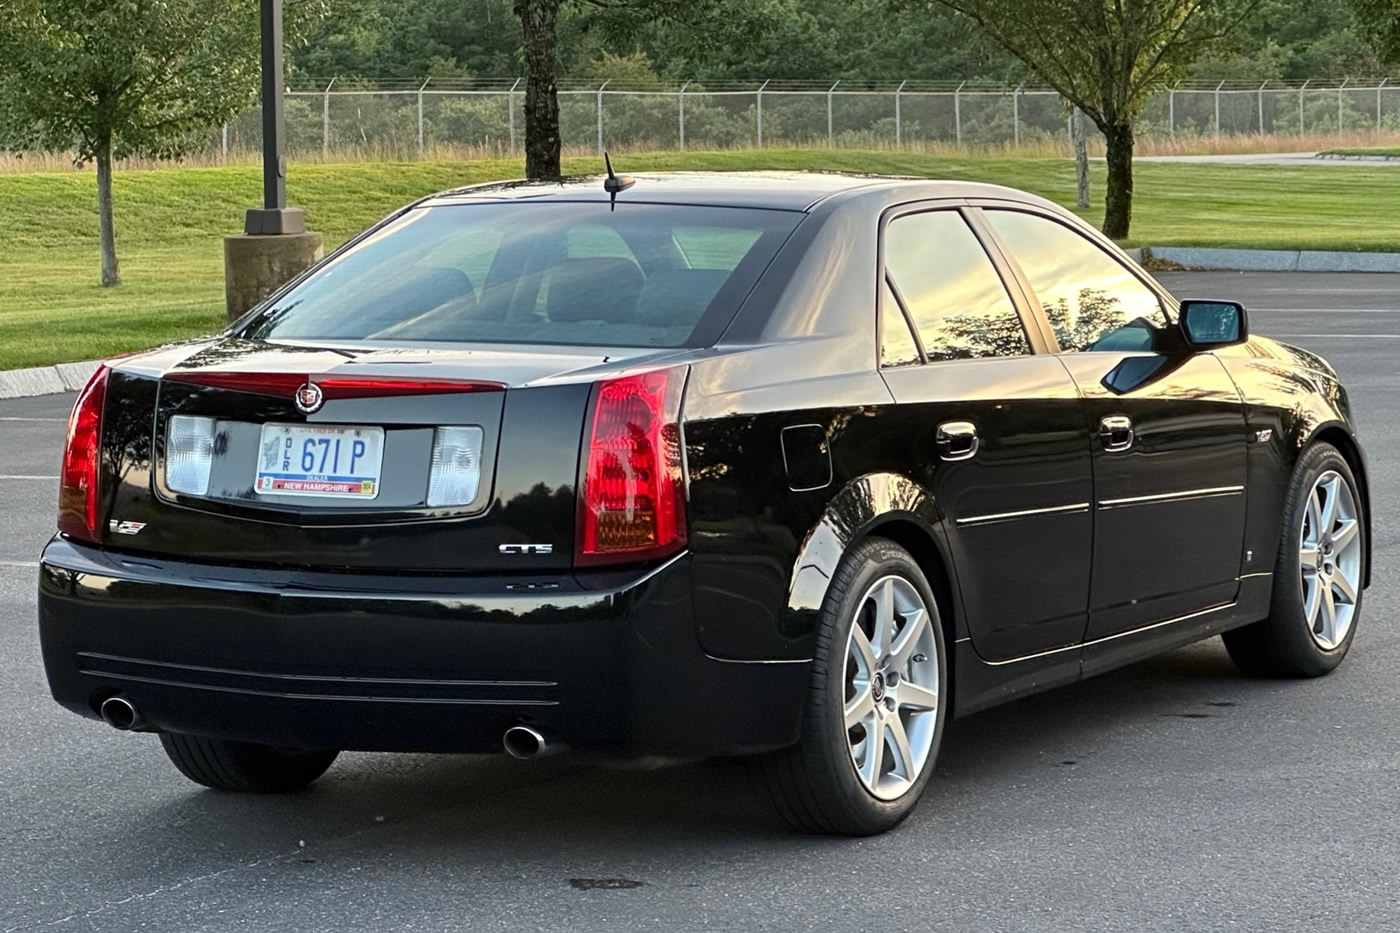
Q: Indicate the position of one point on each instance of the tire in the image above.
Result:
(243, 766)
(1297, 639)
(835, 780)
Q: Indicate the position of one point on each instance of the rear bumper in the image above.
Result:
(394, 663)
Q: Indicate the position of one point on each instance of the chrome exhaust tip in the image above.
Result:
(121, 714)
(527, 742)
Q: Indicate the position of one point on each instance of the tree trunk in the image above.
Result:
(539, 20)
(1118, 197)
(110, 274)
(1081, 159)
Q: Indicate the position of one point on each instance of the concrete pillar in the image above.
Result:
(255, 266)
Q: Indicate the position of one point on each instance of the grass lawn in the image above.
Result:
(170, 221)
(1386, 152)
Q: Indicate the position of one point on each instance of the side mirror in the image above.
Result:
(1207, 325)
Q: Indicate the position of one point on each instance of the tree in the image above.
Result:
(703, 25)
(1381, 25)
(1108, 57)
(126, 78)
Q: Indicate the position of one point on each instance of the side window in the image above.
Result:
(897, 346)
(1093, 302)
(953, 293)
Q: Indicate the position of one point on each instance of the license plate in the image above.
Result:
(320, 460)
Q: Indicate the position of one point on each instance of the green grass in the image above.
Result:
(170, 221)
(1388, 152)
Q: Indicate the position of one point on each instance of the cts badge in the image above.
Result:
(526, 549)
(310, 398)
(125, 528)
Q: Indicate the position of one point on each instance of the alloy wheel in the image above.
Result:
(1330, 559)
(891, 695)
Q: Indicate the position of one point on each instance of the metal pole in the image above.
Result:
(830, 134)
(274, 128)
(957, 112)
(600, 115)
(326, 120)
(1339, 104)
(225, 142)
(1016, 114)
(1301, 116)
(899, 115)
(1217, 107)
(510, 105)
(760, 114)
(1378, 102)
(1261, 107)
(1171, 113)
(682, 105)
(420, 118)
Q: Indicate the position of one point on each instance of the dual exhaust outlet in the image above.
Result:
(522, 742)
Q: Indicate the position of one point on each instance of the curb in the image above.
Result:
(1273, 260)
(1343, 157)
(46, 380)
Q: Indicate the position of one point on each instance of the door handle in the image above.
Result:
(1117, 432)
(957, 440)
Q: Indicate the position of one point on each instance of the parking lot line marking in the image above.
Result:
(20, 564)
(27, 476)
(28, 418)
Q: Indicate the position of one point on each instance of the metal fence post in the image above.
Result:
(760, 114)
(899, 115)
(1302, 118)
(830, 134)
(420, 117)
(1339, 103)
(1171, 113)
(225, 142)
(682, 110)
(1261, 106)
(600, 115)
(1379, 88)
(326, 120)
(1217, 107)
(510, 106)
(957, 112)
(1016, 114)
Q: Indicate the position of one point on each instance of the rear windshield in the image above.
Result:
(644, 275)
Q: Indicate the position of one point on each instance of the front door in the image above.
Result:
(994, 430)
(1168, 432)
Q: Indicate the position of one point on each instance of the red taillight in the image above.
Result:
(632, 495)
(77, 489)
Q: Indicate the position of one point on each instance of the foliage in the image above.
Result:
(126, 78)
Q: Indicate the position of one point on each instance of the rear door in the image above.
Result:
(1168, 430)
(994, 429)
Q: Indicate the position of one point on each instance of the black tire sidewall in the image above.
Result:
(870, 561)
(1287, 615)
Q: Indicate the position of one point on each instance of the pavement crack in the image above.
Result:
(166, 889)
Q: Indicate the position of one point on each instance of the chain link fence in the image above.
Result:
(391, 120)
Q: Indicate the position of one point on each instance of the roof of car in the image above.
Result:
(796, 191)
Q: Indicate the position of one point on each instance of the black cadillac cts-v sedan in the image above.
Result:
(786, 466)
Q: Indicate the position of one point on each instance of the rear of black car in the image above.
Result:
(432, 491)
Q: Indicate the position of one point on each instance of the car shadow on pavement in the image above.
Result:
(561, 802)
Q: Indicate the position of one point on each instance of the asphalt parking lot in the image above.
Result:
(1174, 795)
